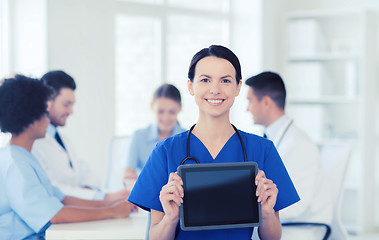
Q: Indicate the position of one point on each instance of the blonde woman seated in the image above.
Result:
(166, 105)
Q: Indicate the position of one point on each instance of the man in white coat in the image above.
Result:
(300, 155)
(69, 173)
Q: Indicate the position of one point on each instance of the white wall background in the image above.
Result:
(27, 42)
(78, 36)
(80, 40)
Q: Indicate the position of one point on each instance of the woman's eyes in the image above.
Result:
(223, 80)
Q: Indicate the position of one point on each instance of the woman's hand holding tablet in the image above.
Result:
(219, 196)
(266, 193)
(171, 197)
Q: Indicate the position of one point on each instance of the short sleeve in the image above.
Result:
(58, 193)
(275, 170)
(153, 177)
(131, 160)
(29, 198)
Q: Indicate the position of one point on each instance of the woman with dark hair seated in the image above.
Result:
(29, 203)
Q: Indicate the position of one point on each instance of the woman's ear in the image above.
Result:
(49, 104)
(190, 87)
(238, 88)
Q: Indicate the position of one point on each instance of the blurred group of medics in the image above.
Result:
(31, 197)
(43, 181)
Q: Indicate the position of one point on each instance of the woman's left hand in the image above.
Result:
(266, 193)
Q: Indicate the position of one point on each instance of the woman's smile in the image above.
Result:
(215, 101)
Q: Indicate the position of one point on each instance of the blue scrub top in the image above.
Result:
(28, 200)
(142, 144)
(168, 154)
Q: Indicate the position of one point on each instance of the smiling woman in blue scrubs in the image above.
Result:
(214, 81)
(29, 203)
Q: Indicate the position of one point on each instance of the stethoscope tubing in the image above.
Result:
(284, 133)
(189, 157)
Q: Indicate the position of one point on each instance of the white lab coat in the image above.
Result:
(302, 160)
(71, 181)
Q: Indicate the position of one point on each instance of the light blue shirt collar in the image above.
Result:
(276, 126)
(154, 132)
(177, 129)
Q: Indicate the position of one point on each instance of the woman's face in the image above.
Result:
(214, 86)
(39, 126)
(166, 110)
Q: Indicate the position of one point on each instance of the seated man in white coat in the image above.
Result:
(267, 96)
(56, 154)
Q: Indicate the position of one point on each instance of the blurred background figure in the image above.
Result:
(267, 97)
(55, 152)
(166, 105)
(29, 203)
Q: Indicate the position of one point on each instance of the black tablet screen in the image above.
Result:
(219, 197)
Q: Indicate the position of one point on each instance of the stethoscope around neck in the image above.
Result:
(189, 157)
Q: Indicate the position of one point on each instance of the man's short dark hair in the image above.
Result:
(269, 84)
(23, 100)
(58, 80)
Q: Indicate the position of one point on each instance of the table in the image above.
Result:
(133, 227)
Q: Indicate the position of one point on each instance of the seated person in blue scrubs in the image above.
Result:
(29, 203)
(214, 82)
(166, 105)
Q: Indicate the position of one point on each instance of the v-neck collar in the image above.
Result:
(193, 136)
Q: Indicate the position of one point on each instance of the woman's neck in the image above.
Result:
(22, 140)
(209, 127)
(164, 134)
(214, 132)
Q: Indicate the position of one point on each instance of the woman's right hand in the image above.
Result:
(171, 197)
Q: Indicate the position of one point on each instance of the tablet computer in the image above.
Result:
(219, 195)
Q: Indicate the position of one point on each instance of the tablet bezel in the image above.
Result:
(227, 166)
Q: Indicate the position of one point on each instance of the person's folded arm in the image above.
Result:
(78, 202)
(70, 213)
(78, 191)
